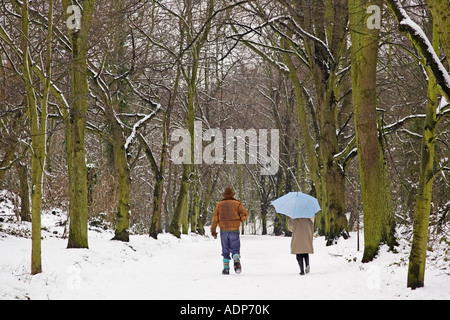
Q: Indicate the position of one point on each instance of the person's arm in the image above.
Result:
(214, 222)
(243, 213)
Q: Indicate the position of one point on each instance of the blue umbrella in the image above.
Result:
(297, 205)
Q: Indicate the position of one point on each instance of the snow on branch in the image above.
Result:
(422, 44)
(443, 107)
(139, 123)
(298, 30)
(394, 126)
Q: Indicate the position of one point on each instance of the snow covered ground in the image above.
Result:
(190, 268)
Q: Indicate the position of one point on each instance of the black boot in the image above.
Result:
(300, 263)
(307, 263)
(302, 271)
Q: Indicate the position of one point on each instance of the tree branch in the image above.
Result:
(423, 45)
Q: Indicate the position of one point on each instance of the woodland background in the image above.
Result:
(87, 111)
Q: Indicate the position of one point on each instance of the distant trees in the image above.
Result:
(311, 50)
(195, 33)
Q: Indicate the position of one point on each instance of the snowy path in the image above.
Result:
(190, 268)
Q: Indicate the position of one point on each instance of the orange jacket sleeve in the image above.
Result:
(215, 219)
(243, 213)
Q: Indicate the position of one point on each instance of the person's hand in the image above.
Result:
(214, 234)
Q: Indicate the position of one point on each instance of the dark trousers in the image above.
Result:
(300, 258)
(231, 243)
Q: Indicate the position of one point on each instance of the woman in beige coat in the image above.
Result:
(302, 240)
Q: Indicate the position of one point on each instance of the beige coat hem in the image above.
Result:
(302, 235)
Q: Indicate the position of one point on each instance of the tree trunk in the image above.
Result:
(388, 219)
(422, 209)
(211, 185)
(75, 129)
(181, 209)
(24, 193)
(195, 205)
(38, 131)
(182, 203)
(240, 172)
(331, 190)
(371, 160)
(417, 258)
(325, 173)
(123, 186)
(155, 226)
(264, 207)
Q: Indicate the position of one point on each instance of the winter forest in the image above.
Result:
(133, 116)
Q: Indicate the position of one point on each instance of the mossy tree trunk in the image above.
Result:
(123, 180)
(38, 124)
(76, 127)
(364, 57)
(24, 192)
(422, 210)
(204, 204)
(324, 67)
(195, 207)
(325, 171)
(118, 103)
(156, 223)
(182, 203)
(181, 209)
(437, 84)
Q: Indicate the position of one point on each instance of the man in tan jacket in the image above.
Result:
(229, 214)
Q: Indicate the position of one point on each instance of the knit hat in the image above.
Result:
(228, 193)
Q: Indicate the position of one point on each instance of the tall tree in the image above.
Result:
(196, 41)
(422, 211)
(321, 47)
(438, 83)
(375, 192)
(76, 121)
(38, 125)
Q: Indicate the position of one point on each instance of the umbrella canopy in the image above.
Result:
(297, 205)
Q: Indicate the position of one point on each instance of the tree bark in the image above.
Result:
(76, 127)
(24, 193)
(422, 210)
(371, 159)
(123, 184)
(38, 123)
